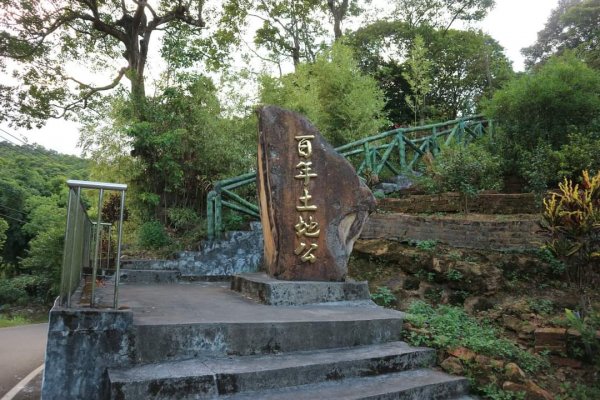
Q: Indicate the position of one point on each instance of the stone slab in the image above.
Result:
(417, 384)
(275, 292)
(229, 375)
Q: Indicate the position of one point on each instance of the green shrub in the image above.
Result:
(451, 327)
(152, 235)
(465, 169)
(183, 218)
(383, 296)
(25, 288)
(9, 294)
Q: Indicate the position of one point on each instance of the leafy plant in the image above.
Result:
(383, 296)
(152, 235)
(454, 275)
(451, 327)
(572, 217)
(493, 392)
(426, 245)
(541, 306)
(182, 218)
(465, 169)
(587, 326)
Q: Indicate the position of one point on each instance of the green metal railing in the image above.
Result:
(83, 239)
(398, 150)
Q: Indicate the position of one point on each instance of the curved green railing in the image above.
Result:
(398, 150)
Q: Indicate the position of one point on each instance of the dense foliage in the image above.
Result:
(333, 93)
(32, 205)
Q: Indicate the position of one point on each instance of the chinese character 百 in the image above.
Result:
(305, 145)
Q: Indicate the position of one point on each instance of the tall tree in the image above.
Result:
(441, 13)
(44, 37)
(418, 78)
(290, 29)
(465, 66)
(573, 25)
(343, 103)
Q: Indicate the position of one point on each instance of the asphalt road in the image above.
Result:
(22, 350)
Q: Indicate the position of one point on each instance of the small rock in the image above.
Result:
(463, 354)
(514, 372)
(512, 323)
(553, 339)
(532, 391)
(565, 362)
(452, 365)
(527, 328)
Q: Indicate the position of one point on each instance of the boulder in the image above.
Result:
(313, 204)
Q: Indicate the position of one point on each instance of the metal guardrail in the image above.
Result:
(398, 150)
(83, 238)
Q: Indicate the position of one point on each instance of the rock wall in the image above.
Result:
(485, 203)
(514, 234)
(82, 344)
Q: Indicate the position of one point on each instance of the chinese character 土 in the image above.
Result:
(304, 199)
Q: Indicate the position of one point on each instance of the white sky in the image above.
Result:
(514, 23)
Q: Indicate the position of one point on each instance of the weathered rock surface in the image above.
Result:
(313, 205)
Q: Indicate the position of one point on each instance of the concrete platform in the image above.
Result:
(265, 289)
(214, 302)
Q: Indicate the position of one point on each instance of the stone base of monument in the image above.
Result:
(275, 292)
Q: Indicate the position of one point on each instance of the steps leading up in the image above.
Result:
(238, 252)
(250, 373)
(420, 384)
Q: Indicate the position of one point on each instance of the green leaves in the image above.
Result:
(343, 103)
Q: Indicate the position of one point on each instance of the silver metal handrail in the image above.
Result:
(80, 237)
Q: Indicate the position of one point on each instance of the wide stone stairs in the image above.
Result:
(222, 345)
(197, 339)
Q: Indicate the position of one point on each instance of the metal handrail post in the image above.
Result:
(98, 227)
(72, 264)
(118, 261)
(65, 271)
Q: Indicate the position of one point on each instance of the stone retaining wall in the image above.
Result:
(485, 203)
(514, 234)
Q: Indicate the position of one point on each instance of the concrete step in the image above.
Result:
(158, 343)
(419, 384)
(148, 276)
(225, 376)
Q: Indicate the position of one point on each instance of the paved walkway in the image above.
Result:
(22, 350)
(210, 302)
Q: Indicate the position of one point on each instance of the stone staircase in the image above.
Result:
(390, 370)
(231, 347)
(238, 252)
(196, 339)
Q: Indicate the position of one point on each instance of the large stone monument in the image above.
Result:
(313, 207)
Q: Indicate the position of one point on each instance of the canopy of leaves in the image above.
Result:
(342, 102)
(184, 145)
(573, 25)
(28, 171)
(33, 197)
(441, 13)
(561, 97)
(466, 66)
(41, 38)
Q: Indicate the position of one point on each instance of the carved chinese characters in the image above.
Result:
(313, 204)
(304, 230)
